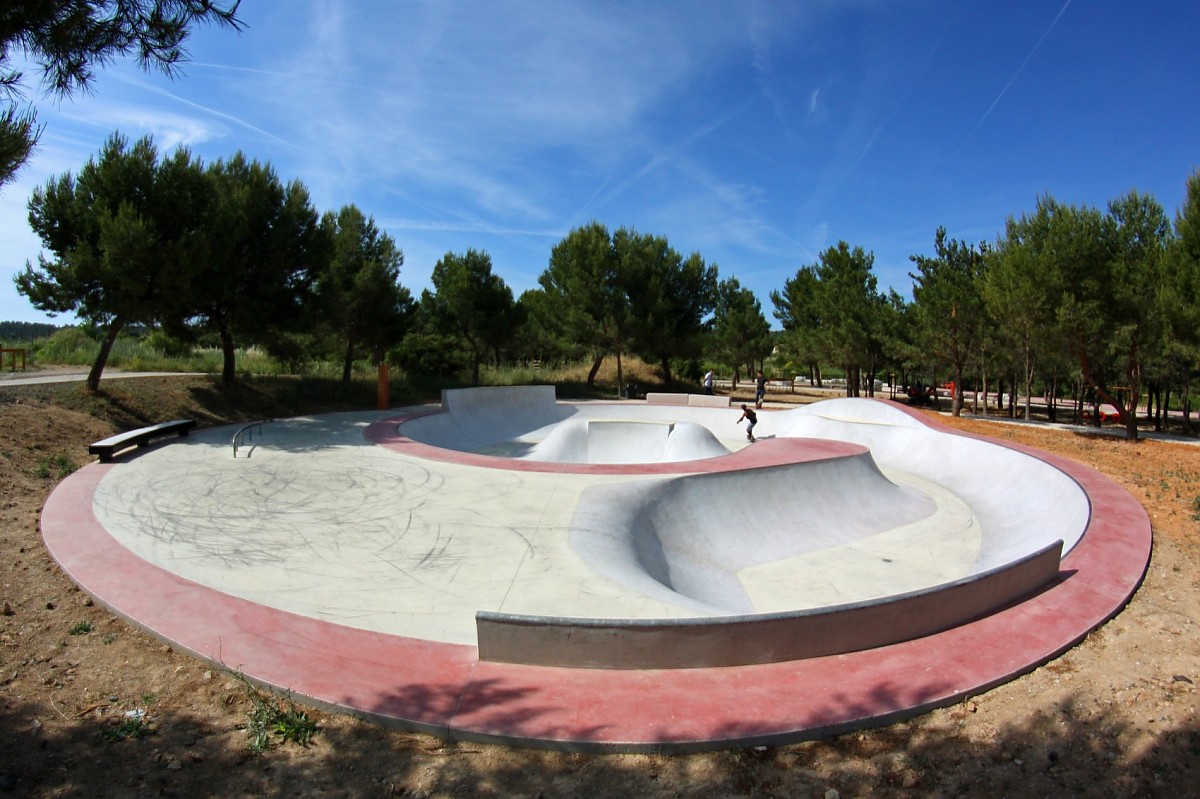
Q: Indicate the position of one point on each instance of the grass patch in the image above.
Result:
(81, 628)
(59, 465)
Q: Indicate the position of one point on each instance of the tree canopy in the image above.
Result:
(1102, 303)
(948, 304)
(114, 238)
(834, 307)
(472, 302)
(264, 246)
(741, 334)
(627, 292)
(69, 39)
(360, 296)
(139, 240)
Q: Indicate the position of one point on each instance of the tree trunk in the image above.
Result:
(620, 376)
(983, 382)
(348, 363)
(110, 338)
(670, 378)
(956, 394)
(1028, 383)
(229, 355)
(1132, 374)
(591, 381)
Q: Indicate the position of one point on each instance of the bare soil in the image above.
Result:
(1116, 716)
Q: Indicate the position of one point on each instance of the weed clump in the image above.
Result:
(276, 719)
(59, 466)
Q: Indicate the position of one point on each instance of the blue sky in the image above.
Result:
(755, 133)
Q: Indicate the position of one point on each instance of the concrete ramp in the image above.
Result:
(685, 540)
(1022, 502)
(480, 419)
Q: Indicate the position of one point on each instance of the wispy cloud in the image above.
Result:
(1020, 69)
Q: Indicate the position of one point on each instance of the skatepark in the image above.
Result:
(596, 575)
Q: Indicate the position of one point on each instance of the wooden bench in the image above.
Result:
(108, 447)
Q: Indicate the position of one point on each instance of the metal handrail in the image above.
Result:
(249, 435)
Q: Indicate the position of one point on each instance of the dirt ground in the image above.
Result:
(1116, 716)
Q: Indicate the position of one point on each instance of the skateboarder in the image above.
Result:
(753, 417)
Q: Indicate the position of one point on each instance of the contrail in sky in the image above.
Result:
(1019, 69)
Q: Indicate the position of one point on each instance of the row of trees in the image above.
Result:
(1069, 296)
(226, 249)
(1069, 299)
(1106, 301)
(603, 293)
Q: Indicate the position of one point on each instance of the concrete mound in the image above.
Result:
(685, 540)
(1022, 503)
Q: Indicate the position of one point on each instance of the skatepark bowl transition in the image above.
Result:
(625, 576)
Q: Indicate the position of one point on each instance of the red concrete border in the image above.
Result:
(444, 688)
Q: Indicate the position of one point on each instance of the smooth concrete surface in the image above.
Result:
(345, 560)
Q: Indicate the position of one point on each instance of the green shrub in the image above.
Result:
(70, 345)
(430, 354)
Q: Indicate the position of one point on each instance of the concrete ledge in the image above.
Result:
(768, 638)
(658, 398)
(694, 400)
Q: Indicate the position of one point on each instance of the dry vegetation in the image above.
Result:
(1116, 716)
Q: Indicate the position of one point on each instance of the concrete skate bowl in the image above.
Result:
(526, 423)
(720, 549)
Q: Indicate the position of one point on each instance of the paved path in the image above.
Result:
(72, 375)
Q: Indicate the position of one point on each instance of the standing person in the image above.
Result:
(760, 392)
(708, 381)
(753, 417)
